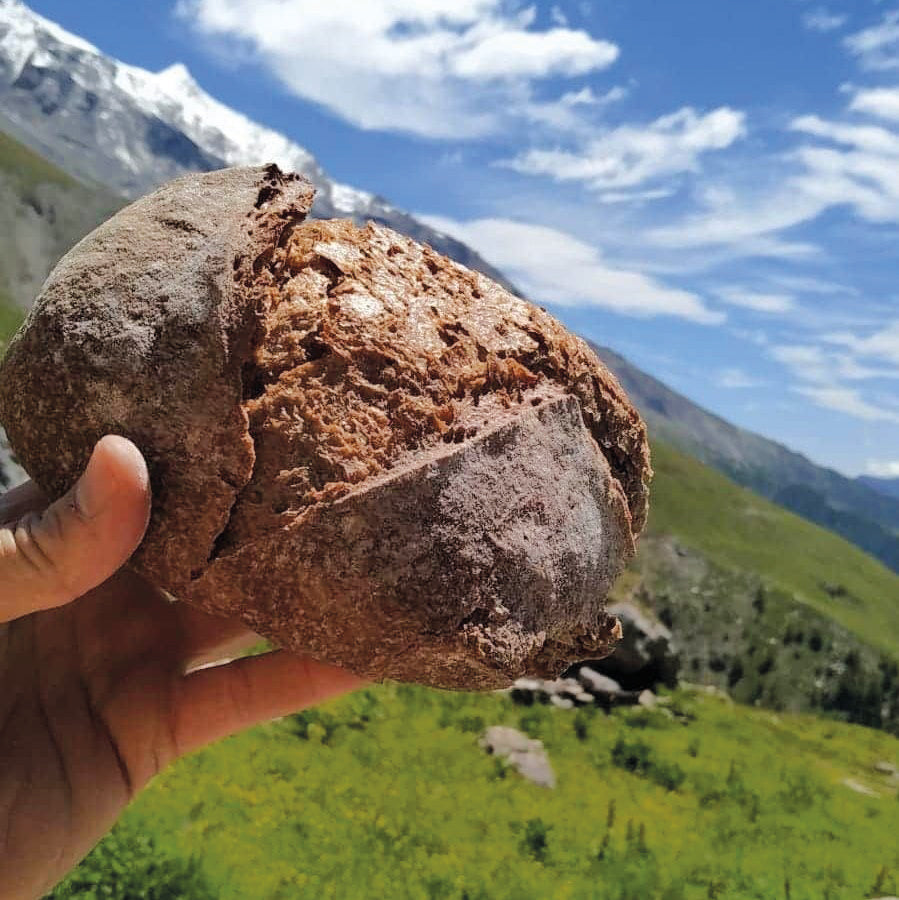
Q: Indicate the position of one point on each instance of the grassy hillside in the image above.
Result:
(43, 212)
(387, 794)
(10, 319)
(867, 517)
(29, 169)
(737, 631)
(737, 528)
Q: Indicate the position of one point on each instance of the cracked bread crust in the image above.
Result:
(364, 450)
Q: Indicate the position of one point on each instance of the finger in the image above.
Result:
(213, 703)
(208, 638)
(50, 558)
(25, 498)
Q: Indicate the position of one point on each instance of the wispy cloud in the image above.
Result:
(827, 375)
(757, 302)
(882, 102)
(558, 16)
(848, 401)
(441, 69)
(821, 19)
(737, 379)
(882, 344)
(632, 155)
(837, 163)
(827, 365)
(883, 468)
(877, 47)
(586, 96)
(554, 267)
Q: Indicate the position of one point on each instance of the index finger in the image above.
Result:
(23, 499)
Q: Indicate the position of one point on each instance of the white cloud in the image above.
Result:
(866, 138)
(807, 363)
(848, 401)
(758, 302)
(588, 97)
(558, 17)
(881, 102)
(555, 267)
(635, 196)
(839, 164)
(882, 344)
(631, 155)
(826, 376)
(754, 336)
(746, 219)
(824, 365)
(811, 285)
(511, 53)
(441, 68)
(737, 379)
(877, 47)
(821, 19)
(883, 468)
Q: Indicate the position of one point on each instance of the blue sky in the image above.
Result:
(711, 188)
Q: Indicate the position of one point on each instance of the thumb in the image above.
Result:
(50, 558)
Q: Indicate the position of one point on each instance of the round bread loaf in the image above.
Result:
(366, 451)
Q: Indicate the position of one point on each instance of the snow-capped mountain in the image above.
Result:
(130, 129)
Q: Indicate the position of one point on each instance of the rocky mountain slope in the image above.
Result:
(43, 212)
(849, 507)
(888, 486)
(771, 608)
(121, 126)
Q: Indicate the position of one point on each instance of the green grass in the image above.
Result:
(735, 527)
(387, 794)
(10, 319)
(28, 168)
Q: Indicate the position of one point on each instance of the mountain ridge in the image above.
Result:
(849, 507)
(111, 123)
(888, 486)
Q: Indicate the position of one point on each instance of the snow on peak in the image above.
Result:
(26, 22)
(177, 76)
(174, 96)
(171, 95)
(349, 199)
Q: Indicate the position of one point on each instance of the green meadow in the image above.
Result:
(386, 793)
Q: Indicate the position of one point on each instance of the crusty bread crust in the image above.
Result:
(365, 450)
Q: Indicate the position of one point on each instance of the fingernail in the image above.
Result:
(94, 490)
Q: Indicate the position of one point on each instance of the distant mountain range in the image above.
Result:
(129, 129)
(853, 508)
(888, 486)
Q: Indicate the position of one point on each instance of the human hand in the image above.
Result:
(99, 681)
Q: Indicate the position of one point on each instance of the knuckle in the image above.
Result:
(36, 542)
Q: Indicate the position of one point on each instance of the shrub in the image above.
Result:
(129, 866)
(536, 835)
(637, 757)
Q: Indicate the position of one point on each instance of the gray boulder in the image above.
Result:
(647, 654)
(526, 755)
